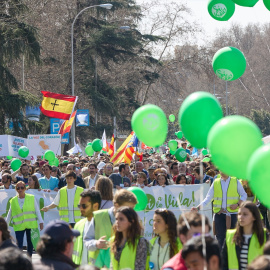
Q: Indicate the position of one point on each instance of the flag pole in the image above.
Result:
(72, 139)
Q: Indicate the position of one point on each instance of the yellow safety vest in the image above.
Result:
(232, 195)
(24, 218)
(254, 249)
(128, 257)
(63, 204)
(103, 226)
(178, 243)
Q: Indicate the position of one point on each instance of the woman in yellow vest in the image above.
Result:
(246, 242)
(23, 214)
(128, 249)
(165, 244)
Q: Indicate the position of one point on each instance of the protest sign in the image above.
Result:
(9, 145)
(177, 198)
(39, 144)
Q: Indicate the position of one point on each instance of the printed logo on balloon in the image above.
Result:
(219, 10)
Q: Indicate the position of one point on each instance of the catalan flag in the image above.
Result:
(66, 126)
(120, 153)
(111, 147)
(57, 105)
(130, 149)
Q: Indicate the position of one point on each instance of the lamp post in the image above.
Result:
(107, 6)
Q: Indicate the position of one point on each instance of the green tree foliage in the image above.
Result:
(17, 39)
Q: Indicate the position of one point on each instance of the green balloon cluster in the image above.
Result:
(258, 174)
(198, 113)
(173, 144)
(49, 155)
(9, 157)
(180, 154)
(150, 125)
(97, 145)
(267, 4)
(89, 150)
(141, 198)
(54, 162)
(23, 151)
(15, 164)
(221, 10)
(246, 3)
(171, 117)
(232, 141)
(229, 63)
(179, 134)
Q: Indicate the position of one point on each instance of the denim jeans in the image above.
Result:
(19, 237)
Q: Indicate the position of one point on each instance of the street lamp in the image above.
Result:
(106, 6)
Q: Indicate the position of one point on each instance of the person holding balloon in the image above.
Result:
(129, 250)
(165, 244)
(227, 194)
(247, 241)
(23, 170)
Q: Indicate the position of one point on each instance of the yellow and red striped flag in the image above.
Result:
(111, 148)
(66, 126)
(120, 153)
(57, 105)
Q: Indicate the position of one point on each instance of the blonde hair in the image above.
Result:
(105, 186)
(123, 196)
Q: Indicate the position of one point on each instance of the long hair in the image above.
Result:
(257, 227)
(165, 176)
(143, 175)
(170, 220)
(133, 232)
(35, 179)
(4, 229)
(105, 186)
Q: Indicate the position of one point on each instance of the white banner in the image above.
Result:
(177, 198)
(39, 144)
(9, 145)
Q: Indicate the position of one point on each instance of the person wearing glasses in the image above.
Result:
(24, 214)
(67, 200)
(89, 202)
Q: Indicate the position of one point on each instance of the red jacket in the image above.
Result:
(175, 263)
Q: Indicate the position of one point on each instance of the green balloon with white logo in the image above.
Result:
(267, 4)
(246, 3)
(221, 10)
(181, 154)
(150, 125)
(229, 63)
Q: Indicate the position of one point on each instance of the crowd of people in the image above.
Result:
(98, 227)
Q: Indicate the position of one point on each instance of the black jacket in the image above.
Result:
(78, 182)
(7, 243)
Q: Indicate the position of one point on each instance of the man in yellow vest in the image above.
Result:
(67, 200)
(100, 228)
(89, 202)
(227, 193)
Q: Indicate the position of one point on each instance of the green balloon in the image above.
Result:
(172, 152)
(65, 161)
(141, 198)
(179, 134)
(89, 150)
(198, 113)
(49, 155)
(23, 151)
(97, 145)
(173, 144)
(15, 164)
(89, 143)
(232, 141)
(221, 10)
(267, 4)
(180, 154)
(207, 159)
(150, 125)
(204, 152)
(171, 117)
(229, 63)
(258, 172)
(9, 157)
(54, 162)
(246, 3)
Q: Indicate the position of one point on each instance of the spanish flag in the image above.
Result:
(120, 153)
(57, 105)
(111, 148)
(66, 126)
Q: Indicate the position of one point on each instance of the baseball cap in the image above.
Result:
(59, 230)
(41, 163)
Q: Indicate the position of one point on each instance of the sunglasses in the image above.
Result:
(83, 206)
(18, 188)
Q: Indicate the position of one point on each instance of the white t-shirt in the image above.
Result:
(85, 250)
(70, 197)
